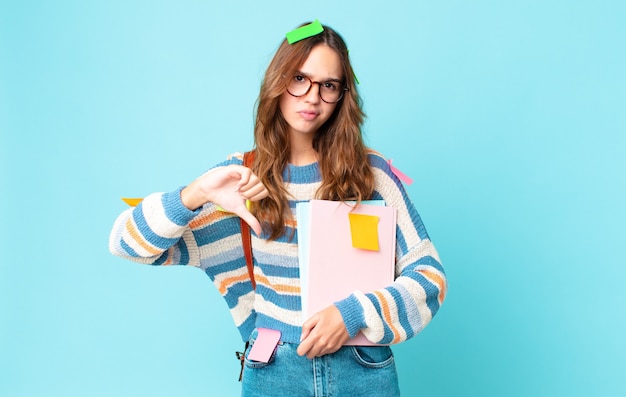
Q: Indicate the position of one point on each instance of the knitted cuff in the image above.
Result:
(176, 210)
(352, 314)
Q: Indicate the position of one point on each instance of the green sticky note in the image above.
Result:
(305, 31)
(364, 229)
(355, 78)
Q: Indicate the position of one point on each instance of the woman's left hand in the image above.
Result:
(228, 187)
(324, 333)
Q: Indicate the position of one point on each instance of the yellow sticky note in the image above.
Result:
(248, 206)
(364, 229)
(132, 201)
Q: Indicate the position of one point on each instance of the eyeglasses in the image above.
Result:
(330, 91)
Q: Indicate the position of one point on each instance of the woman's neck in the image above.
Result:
(302, 152)
(303, 156)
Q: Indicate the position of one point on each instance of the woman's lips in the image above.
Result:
(308, 115)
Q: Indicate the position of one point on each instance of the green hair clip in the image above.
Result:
(305, 32)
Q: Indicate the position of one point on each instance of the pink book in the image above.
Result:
(331, 268)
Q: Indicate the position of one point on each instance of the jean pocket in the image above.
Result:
(373, 356)
(255, 364)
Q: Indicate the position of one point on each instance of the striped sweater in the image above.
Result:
(162, 231)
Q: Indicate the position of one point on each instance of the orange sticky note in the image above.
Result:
(132, 201)
(364, 229)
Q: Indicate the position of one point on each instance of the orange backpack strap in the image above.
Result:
(246, 237)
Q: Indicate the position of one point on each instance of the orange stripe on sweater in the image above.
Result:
(209, 218)
(290, 289)
(217, 215)
(227, 282)
(438, 281)
(138, 238)
(387, 316)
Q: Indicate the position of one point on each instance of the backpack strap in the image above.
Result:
(246, 237)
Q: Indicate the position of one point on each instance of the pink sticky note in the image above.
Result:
(402, 176)
(264, 345)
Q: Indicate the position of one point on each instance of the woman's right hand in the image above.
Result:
(228, 187)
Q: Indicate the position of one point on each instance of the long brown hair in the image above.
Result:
(345, 170)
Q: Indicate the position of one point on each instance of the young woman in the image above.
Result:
(308, 145)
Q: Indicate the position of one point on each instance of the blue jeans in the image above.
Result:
(352, 371)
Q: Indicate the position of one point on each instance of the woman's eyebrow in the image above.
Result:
(300, 72)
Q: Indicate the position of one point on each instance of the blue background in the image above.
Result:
(510, 116)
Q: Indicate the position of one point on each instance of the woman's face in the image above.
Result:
(306, 114)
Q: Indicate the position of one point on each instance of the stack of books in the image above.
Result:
(344, 247)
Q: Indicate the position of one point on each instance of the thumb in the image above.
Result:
(250, 220)
(307, 327)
